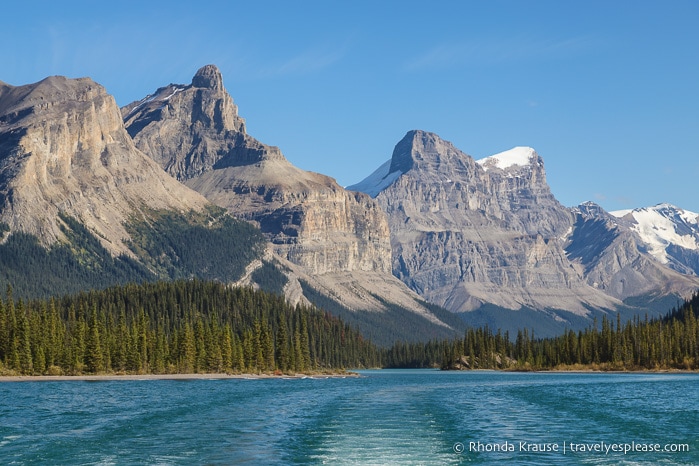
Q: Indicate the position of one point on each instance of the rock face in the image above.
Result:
(63, 148)
(650, 251)
(465, 233)
(194, 132)
(188, 129)
(326, 238)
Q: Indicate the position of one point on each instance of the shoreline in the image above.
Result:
(113, 377)
(320, 375)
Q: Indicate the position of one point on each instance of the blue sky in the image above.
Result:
(607, 92)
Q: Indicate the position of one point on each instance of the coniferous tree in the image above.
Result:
(187, 351)
(304, 344)
(282, 346)
(26, 365)
(266, 346)
(93, 350)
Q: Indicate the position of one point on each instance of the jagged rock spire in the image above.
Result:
(208, 77)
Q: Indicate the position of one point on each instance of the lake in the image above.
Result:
(384, 417)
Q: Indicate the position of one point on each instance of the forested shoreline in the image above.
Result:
(193, 326)
(174, 327)
(641, 344)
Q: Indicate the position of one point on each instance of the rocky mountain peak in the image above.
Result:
(208, 77)
(589, 209)
(18, 102)
(64, 150)
(193, 129)
(465, 233)
(194, 132)
(423, 150)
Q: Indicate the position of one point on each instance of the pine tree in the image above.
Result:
(282, 345)
(24, 349)
(187, 351)
(238, 354)
(299, 360)
(257, 344)
(4, 331)
(226, 343)
(93, 347)
(266, 346)
(304, 344)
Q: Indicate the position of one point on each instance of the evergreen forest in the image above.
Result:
(195, 326)
(185, 326)
(670, 342)
(209, 245)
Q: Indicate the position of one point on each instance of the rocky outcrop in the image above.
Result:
(189, 129)
(194, 132)
(64, 149)
(466, 232)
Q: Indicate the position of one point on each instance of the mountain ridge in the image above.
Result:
(432, 224)
(82, 207)
(451, 217)
(333, 240)
(64, 149)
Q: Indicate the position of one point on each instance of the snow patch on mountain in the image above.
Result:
(621, 213)
(158, 95)
(520, 156)
(377, 181)
(662, 226)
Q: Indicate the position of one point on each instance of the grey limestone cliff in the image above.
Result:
(466, 232)
(64, 149)
(194, 132)
(335, 241)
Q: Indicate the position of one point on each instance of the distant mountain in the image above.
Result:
(331, 243)
(645, 252)
(481, 237)
(670, 234)
(467, 233)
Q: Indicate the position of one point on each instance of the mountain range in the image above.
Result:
(172, 185)
(483, 237)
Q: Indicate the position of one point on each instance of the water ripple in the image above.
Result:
(382, 418)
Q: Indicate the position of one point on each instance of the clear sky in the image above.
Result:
(607, 92)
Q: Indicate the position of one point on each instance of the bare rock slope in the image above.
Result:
(465, 233)
(194, 132)
(333, 239)
(64, 148)
(621, 261)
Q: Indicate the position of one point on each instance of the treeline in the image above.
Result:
(209, 245)
(671, 342)
(192, 326)
(174, 327)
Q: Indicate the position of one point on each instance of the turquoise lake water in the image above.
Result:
(399, 417)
